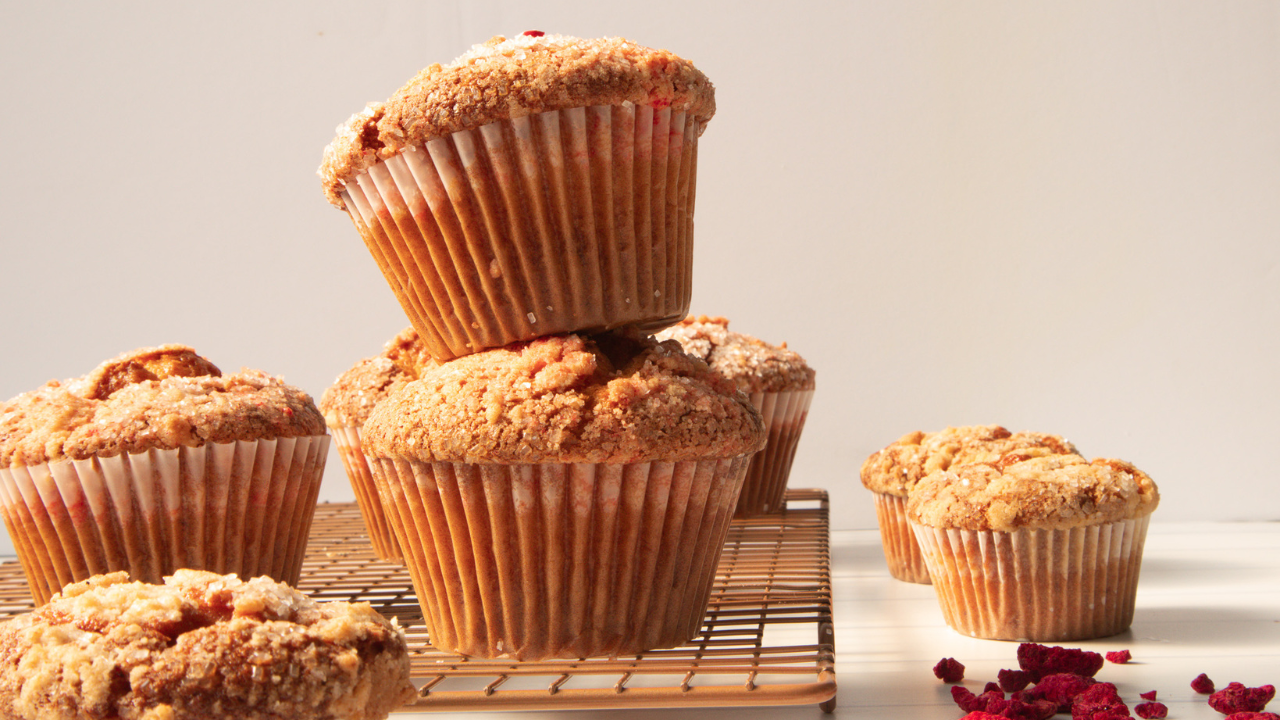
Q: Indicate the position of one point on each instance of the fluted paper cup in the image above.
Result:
(347, 440)
(784, 414)
(571, 220)
(243, 507)
(901, 551)
(561, 560)
(1036, 585)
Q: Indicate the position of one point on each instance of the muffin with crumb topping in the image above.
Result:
(1043, 548)
(780, 384)
(564, 497)
(157, 461)
(536, 185)
(198, 646)
(346, 405)
(892, 472)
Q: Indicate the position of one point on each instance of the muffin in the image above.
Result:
(157, 461)
(346, 405)
(780, 385)
(199, 646)
(892, 472)
(565, 497)
(536, 185)
(1040, 549)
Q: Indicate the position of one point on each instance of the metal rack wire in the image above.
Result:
(767, 638)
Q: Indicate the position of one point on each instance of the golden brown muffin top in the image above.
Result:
(896, 469)
(509, 78)
(567, 399)
(1047, 492)
(352, 396)
(752, 364)
(152, 398)
(200, 646)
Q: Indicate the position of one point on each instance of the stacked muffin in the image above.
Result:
(1022, 538)
(561, 484)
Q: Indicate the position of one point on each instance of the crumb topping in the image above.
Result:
(896, 469)
(1048, 492)
(202, 645)
(752, 364)
(153, 398)
(352, 396)
(508, 78)
(567, 398)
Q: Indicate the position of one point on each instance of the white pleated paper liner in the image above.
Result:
(347, 440)
(563, 221)
(784, 414)
(901, 551)
(1037, 585)
(242, 507)
(561, 560)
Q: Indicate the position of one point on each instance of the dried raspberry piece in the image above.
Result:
(533, 33)
(969, 702)
(1119, 657)
(1061, 689)
(992, 687)
(1235, 698)
(1014, 680)
(1150, 695)
(1099, 702)
(980, 715)
(1252, 716)
(949, 670)
(1040, 660)
(1151, 710)
(1202, 684)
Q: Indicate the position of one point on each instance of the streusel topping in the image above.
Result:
(509, 78)
(1048, 492)
(752, 364)
(896, 469)
(352, 396)
(153, 398)
(200, 646)
(564, 399)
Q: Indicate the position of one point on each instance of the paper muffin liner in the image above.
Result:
(1036, 585)
(347, 440)
(561, 560)
(901, 551)
(784, 414)
(563, 221)
(242, 507)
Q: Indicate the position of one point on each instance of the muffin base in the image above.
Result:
(784, 414)
(1036, 585)
(383, 540)
(901, 551)
(561, 560)
(243, 507)
(572, 220)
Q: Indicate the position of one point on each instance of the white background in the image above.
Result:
(1059, 216)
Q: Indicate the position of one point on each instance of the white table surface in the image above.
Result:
(1208, 601)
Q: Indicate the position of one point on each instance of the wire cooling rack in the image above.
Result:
(767, 638)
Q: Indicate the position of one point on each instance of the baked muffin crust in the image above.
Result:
(200, 646)
(352, 396)
(152, 398)
(567, 399)
(508, 78)
(1047, 492)
(752, 364)
(895, 470)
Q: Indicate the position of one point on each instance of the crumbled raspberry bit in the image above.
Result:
(1252, 716)
(1119, 657)
(980, 715)
(533, 33)
(969, 702)
(1149, 695)
(1235, 698)
(1099, 702)
(1061, 689)
(1014, 680)
(1150, 710)
(1202, 684)
(949, 670)
(992, 687)
(1040, 660)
